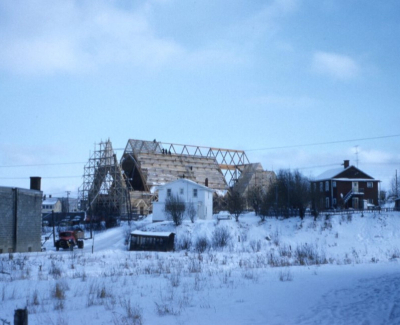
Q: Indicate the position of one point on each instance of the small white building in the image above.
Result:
(190, 192)
(51, 204)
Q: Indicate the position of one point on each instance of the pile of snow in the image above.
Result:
(335, 270)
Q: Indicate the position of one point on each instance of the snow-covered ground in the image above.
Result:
(336, 270)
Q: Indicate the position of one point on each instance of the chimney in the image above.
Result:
(206, 182)
(35, 183)
(346, 163)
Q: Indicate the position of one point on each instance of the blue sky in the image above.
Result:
(231, 74)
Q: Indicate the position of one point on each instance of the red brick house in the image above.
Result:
(347, 187)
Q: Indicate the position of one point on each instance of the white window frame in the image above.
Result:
(326, 186)
(333, 183)
(370, 184)
(169, 192)
(195, 192)
(181, 191)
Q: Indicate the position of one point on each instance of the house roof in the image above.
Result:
(336, 174)
(151, 233)
(147, 165)
(252, 175)
(185, 180)
(329, 174)
(51, 201)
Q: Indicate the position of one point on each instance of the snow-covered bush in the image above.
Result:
(255, 245)
(201, 244)
(285, 275)
(183, 242)
(221, 237)
(309, 255)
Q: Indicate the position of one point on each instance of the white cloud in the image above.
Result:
(48, 37)
(335, 65)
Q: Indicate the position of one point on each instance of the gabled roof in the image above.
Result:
(253, 175)
(339, 174)
(51, 201)
(185, 180)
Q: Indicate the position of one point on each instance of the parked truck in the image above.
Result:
(70, 239)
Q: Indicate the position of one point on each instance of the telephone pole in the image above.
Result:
(68, 193)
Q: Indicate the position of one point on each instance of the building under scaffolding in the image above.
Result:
(128, 187)
(104, 191)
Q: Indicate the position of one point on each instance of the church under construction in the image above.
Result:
(127, 187)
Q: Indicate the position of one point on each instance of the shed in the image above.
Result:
(151, 241)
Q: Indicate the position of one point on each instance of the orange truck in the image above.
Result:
(70, 239)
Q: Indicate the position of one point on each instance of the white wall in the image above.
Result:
(203, 202)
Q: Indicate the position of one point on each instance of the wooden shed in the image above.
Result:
(151, 241)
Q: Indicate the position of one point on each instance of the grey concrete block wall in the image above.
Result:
(21, 219)
(7, 228)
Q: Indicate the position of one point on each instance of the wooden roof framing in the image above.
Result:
(150, 163)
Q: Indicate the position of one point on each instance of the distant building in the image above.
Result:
(347, 187)
(190, 192)
(397, 204)
(21, 219)
(51, 204)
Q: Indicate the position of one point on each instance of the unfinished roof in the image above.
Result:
(148, 163)
(253, 175)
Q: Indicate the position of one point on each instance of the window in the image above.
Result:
(333, 183)
(181, 191)
(370, 184)
(168, 192)
(195, 192)
(334, 201)
(321, 186)
(327, 186)
(327, 202)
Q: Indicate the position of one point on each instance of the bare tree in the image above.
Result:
(236, 203)
(265, 207)
(395, 186)
(290, 193)
(191, 211)
(175, 209)
(254, 198)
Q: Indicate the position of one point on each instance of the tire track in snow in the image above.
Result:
(371, 301)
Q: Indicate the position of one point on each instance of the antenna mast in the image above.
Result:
(356, 155)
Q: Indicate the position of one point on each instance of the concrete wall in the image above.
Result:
(21, 219)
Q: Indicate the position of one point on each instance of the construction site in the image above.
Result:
(127, 187)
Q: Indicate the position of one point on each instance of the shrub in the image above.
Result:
(55, 270)
(191, 211)
(202, 244)
(175, 209)
(255, 245)
(285, 275)
(59, 291)
(309, 255)
(221, 237)
(184, 242)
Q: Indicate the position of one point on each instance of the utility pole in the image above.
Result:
(68, 193)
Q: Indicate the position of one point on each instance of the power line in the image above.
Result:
(37, 165)
(42, 177)
(325, 143)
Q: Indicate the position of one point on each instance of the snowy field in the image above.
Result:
(336, 270)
